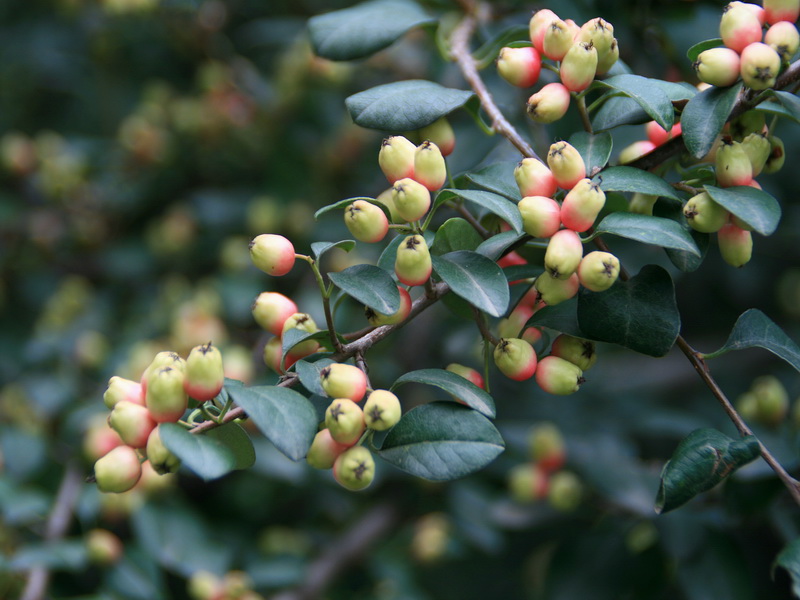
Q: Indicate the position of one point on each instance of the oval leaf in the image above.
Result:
(455, 234)
(649, 230)
(495, 245)
(705, 115)
(789, 101)
(640, 314)
(693, 52)
(700, 462)
(208, 457)
(363, 29)
(476, 279)
(755, 207)
(309, 374)
(631, 179)
(621, 110)
(497, 178)
(369, 285)
(236, 438)
(650, 97)
(342, 204)
(320, 248)
(595, 149)
(463, 390)
(284, 416)
(293, 337)
(404, 105)
(442, 441)
(502, 207)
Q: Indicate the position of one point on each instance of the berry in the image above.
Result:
(161, 459)
(204, 375)
(608, 59)
(166, 398)
(598, 271)
(558, 376)
(534, 178)
(557, 39)
(578, 68)
(162, 359)
(396, 158)
(303, 322)
(642, 204)
(554, 291)
(377, 319)
(271, 309)
(118, 471)
(382, 410)
(411, 199)
(541, 216)
(429, 167)
(512, 326)
(343, 381)
(777, 155)
(565, 491)
(413, 264)
(757, 147)
(760, 66)
(547, 447)
(735, 245)
(537, 27)
(527, 482)
(515, 358)
(273, 254)
(519, 66)
(132, 422)
(103, 547)
(367, 222)
(345, 419)
(783, 38)
(547, 106)
(739, 27)
(658, 135)
(705, 215)
(273, 351)
(122, 389)
(441, 133)
(324, 450)
(771, 400)
(99, 438)
(566, 164)
(579, 352)
(563, 254)
(733, 165)
(582, 205)
(599, 32)
(467, 373)
(354, 468)
(781, 10)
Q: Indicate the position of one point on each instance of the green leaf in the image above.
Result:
(700, 462)
(476, 279)
(369, 285)
(649, 230)
(293, 337)
(208, 457)
(693, 52)
(789, 559)
(236, 439)
(57, 555)
(705, 115)
(464, 390)
(284, 416)
(487, 53)
(455, 234)
(561, 317)
(363, 29)
(651, 98)
(389, 254)
(442, 441)
(495, 245)
(309, 374)
(404, 105)
(497, 178)
(685, 261)
(788, 100)
(320, 248)
(619, 110)
(342, 204)
(594, 149)
(640, 314)
(494, 203)
(631, 179)
(753, 206)
(753, 329)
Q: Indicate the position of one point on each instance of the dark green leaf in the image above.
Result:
(495, 245)
(442, 441)
(389, 254)
(649, 230)
(640, 314)
(753, 329)
(700, 462)
(595, 149)
(363, 29)
(237, 441)
(404, 105)
(320, 248)
(789, 559)
(789, 101)
(704, 117)
(309, 373)
(621, 110)
(685, 261)
(753, 206)
(60, 555)
(693, 52)
(631, 179)
(462, 389)
(651, 98)
(369, 285)
(502, 207)
(455, 234)
(284, 416)
(487, 53)
(561, 317)
(475, 278)
(342, 204)
(497, 178)
(293, 337)
(206, 456)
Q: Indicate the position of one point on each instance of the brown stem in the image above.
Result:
(587, 123)
(485, 333)
(686, 188)
(482, 231)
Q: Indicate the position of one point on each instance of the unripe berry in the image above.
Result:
(635, 150)
(324, 450)
(538, 27)
(162, 359)
(382, 410)
(541, 216)
(512, 326)
(772, 400)
(467, 373)
(548, 105)
(534, 178)
(558, 376)
(757, 147)
(579, 352)
(273, 352)
(733, 165)
(413, 264)
(527, 482)
(132, 422)
(582, 205)
(367, 222)
(377, 319)
(161, 459)
(735, 245)
(411, 199)
(565, 491)
(777, 155)
(608, 59)
(658, 135)
(599, 32)
(553, 291)
(557, 39)
(204, 376)
(271, 309)
(579, 66)
(386, 198)
(340, 380)
(166, 398)
(642, 204)
(515, 358)
(519, 66)
(441, 133)
(563, 254)
(547, 447)
(598, 271)
(103, 547)
(345, 419)
(705, 215)
(396, 158)
(122, 389)
(303, 322)
(739, 27)
(429, 166)
(118, 471)
(273, 254)
(760, 66)
(781, 10)
(783, 38)
(566, 164)
(354, 469)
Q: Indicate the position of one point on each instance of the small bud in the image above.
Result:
(538, 27)
(118, 471)
(598, 271)
(120, 389)
(204, 375)
(133, 423)
(735, 245)
(354, 469)
(345, 419)
(271, 309)
(441, 133)
(161, 459)
(567, 165)
(340, 380)
(783, 38)
(273, 254)
(581, 353)
(429, 167)
(579, 66)
(413, 263)
(772, 400)
(563, 254)
(367, 222)
(760, 66)
(739, 27)
(534, 178)
(324, 450)
(558, 376)
(515, 358)
(553, 291)
(705, 215)
(541, 216)
(519, 66)
(600, 33)
(582, 205)
(382, 410)
(396, 158)
(411, 199)
(548, 105)
(162, 359)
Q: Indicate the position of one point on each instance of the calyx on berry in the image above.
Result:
(396, 158)
(354, 468)
(345, 420)
(413, 264)
(341, 380)
(411, 199)
(598, 271)
(382, 410)
(579, 352)
(567, 165)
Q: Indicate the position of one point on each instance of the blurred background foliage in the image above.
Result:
(144, 142)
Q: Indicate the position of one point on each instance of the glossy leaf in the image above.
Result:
(208, 457)
(370, 285)
(685, 261)
(789, 559)
(561, 317)
(464, 390)
(498, 178)
(594, 149)
(649, 230)
(753, 206)
(320, 248)
(309, 374)
(363, 29)
(653, 100)
(499, 205)
(693, 52)
(404, 105)
(455, 234)
(442, 441)
(631, 179)
(619, 110)
(476, 279)
(753, 329)
(389, 254)
(495, 246)
(285, 417)
(293, 337)
(640, 314)
(487, 53)
(236, 439)
(705, 115)
(701, 461)
(789, 101)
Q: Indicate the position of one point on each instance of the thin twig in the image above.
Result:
(469, 218)
(485, 333)
(587, 123)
